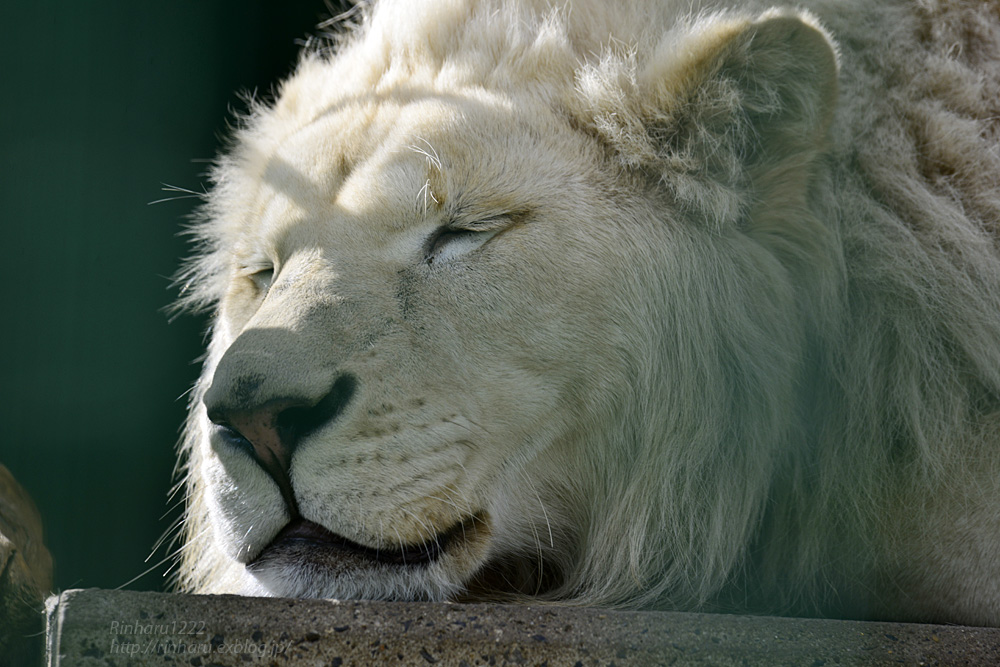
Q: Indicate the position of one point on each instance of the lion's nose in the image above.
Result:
(271, 429)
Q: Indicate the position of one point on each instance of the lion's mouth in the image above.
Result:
(301, 536)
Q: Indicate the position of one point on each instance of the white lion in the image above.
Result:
(654, 304)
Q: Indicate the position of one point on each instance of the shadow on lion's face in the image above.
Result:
(418, 339)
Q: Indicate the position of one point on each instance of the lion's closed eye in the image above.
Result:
(262, 277)
(445, 244)
(451, 241)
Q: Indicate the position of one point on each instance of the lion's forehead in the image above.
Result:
(356, 158)
(389, 162)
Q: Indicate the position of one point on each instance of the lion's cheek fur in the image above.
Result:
(241, 500)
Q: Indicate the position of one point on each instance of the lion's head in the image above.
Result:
(466, 341)
(519, 300)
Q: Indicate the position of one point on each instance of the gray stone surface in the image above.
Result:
(96, 627)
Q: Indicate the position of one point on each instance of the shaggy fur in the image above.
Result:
(686, 305)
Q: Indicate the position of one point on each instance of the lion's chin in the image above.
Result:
(307, 560)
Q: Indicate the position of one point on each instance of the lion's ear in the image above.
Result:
(725, 111)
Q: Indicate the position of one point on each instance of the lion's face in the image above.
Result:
(415, 333)
(507, 305)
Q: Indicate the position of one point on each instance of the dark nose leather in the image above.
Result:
(270, 427)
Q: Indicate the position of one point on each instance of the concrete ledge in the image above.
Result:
(98, 627)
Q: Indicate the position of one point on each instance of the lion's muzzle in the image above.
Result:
(268, 418)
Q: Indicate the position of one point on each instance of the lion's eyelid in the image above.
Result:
(480, 225)
(252, 268)
(262, 275)
(454, 240)
(489, 223)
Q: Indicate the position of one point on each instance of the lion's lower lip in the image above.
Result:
(302, 533)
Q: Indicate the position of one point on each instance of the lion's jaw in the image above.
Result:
(345, 272)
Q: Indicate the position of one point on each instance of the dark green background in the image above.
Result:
(101, 103)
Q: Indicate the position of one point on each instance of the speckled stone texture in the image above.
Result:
(94, 628)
